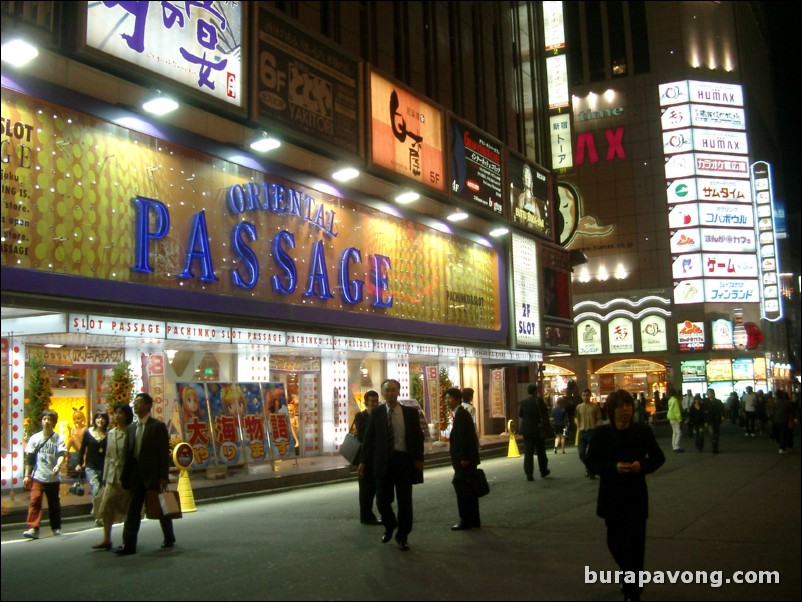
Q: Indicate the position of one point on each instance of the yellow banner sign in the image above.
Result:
(93, 199)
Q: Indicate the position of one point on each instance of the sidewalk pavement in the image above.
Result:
(244, 480)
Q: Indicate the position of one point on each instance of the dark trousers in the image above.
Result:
(584, 442)
(367, 493)
(699, 436)
(715, 431)
(467, 502)
(750, 423)
(626, 540)
(134, 517)
(531, 446)
(396, 484)
(40, 489)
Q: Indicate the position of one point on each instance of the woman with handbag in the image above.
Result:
(111, 502)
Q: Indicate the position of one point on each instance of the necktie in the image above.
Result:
(390, 430)
(140, 429)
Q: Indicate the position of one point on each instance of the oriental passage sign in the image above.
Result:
(87, 198)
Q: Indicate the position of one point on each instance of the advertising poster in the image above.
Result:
(719, 370)
(691, 336)
(226, 408)
(529, 196)
(475, 167)
(195, 422)
(305, 84)
(278, 420)
(253, 422)
(693, 371)
(406, 133)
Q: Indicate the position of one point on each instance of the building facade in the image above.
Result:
(669, 197)
(257, 297)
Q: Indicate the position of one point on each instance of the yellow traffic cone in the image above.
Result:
(185, 495)
(512, 450)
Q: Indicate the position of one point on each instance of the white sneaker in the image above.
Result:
(782, 451)
(32, 533)
(56, 532)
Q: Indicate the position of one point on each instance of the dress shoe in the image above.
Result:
(123, 551)
(167, 544)
(460, 527)
(530, 478)
(102, 546)
(388, 535)
(403, 545)
(545, 474)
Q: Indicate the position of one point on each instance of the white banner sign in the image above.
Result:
(728, 240)
(621, 336)
(732, 291)
(589, 337)
(526, 291)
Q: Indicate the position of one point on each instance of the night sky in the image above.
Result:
(783, 24)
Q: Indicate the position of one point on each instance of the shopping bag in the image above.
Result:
(170, 504)
(153, 508)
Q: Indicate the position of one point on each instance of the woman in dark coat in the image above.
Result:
(622, 453)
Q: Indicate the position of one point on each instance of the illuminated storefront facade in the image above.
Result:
(258, 300)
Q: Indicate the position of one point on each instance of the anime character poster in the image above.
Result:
(226, 410)
(195, 422)
(278, 420)
(253, 422)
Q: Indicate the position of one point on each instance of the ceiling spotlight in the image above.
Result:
(496, 232)
(159, 104)
(458, 216)
(407, 197)
(345, 174)
(18, 53)
(263, 143)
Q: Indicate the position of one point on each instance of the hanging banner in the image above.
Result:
(430, 393)
(497, 394)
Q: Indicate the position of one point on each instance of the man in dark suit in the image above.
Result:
(393, 453)
(533, 414)
(464, 448)
(146, 469)
(367, 484)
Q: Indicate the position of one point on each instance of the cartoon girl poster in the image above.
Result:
(253, 422)
(278, 420)
(226, 409)
(195, 422)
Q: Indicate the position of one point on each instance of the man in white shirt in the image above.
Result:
(44, 455)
